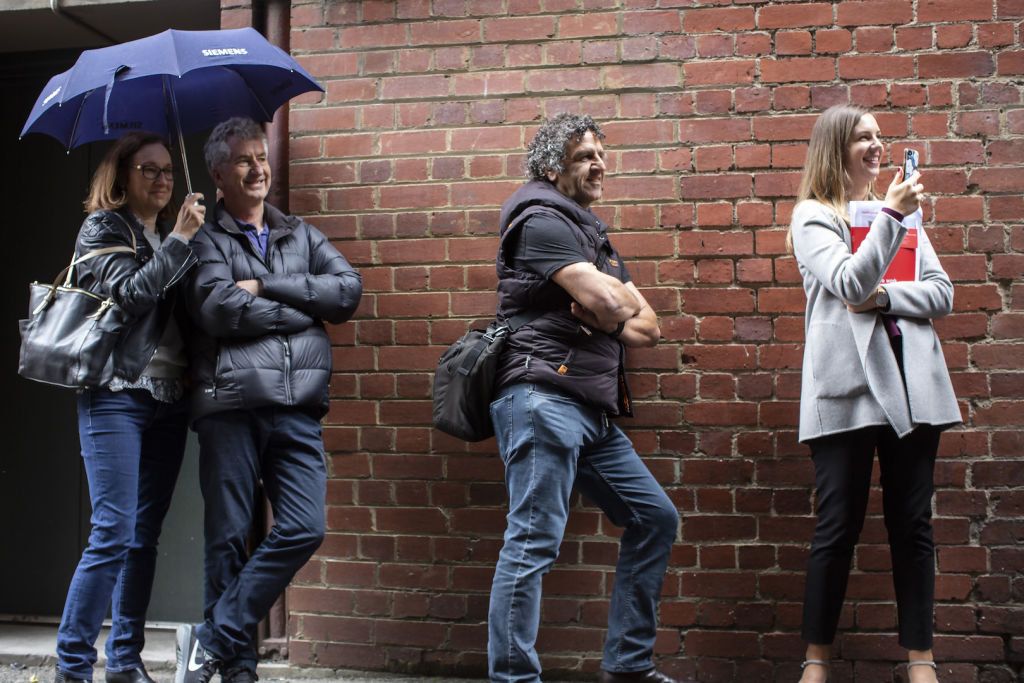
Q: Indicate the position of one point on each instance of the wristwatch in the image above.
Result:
(882, 300)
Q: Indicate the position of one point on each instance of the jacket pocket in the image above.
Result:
(835, 362)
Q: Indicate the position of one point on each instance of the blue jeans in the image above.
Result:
(132, 446)
(237, 449)
(550, 443)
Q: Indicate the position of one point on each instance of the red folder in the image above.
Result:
(904, 266)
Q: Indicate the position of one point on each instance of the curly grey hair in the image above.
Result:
(216, 149)
(547, 149)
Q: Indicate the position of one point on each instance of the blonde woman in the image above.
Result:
(874, 381)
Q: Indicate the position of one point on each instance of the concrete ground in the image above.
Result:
(27, 656)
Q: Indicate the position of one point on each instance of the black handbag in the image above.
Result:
(464, 381)
(70, 333)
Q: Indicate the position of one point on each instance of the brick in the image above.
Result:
(715, 45)
(718, 19)
(832, 41)
(1010, 62)
(955, 65)
(995, 34)
(587, 25)
(796, 127)
(871, 66)
(511, 29)
(978, 123)
(874, 39)
(372, 36)
(792, 97)
(403, 87)
(936, 11)
(715, 187)
(798, 70)
(661, 21)
(791, 16)
(953, 36)
(652, 75)
(998, 179)
(875, 13)
(719, 73)
(444, 32)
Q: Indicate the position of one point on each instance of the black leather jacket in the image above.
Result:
(141, 284)
(269, 350)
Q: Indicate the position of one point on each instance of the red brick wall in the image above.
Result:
(707, 107)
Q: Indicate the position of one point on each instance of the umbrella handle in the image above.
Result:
(184, 161)
(177, 126)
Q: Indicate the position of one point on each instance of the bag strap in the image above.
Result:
(69, 270)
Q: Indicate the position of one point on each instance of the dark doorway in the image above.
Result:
(44, 502)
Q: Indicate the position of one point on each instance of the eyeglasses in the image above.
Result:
(153, 172)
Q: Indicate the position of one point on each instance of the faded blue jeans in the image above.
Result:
(132, 446)
(549, 444)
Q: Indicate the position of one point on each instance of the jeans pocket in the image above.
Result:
(501, 418)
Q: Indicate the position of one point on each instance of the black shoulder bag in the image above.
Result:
(464, 381)
(70, 332)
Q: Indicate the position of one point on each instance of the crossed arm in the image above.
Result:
(602, 301)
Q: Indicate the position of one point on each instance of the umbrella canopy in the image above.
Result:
(174, 83)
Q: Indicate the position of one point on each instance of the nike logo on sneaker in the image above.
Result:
(195, 663)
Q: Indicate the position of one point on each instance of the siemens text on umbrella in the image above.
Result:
(225, 51)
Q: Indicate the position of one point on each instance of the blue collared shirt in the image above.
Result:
(257, 237)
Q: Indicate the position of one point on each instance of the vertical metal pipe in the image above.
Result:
(276, 19)
(278, 27)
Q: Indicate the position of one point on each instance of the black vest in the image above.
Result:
(556, 349)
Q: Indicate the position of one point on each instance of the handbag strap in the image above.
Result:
(69, 269)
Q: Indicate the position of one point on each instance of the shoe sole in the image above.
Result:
(181, 651)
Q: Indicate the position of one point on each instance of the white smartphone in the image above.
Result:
(911, 160)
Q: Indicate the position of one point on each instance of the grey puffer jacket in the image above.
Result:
(270, 350)
(142, 284)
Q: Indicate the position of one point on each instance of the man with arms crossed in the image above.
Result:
(559, 380)
(264, 286)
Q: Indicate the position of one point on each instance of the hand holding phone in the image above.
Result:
(911, 160)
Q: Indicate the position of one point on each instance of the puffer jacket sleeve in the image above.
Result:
(223, 309)
(136, 288)
(329, 291)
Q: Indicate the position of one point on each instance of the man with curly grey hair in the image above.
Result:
(574, 307)
(264, 286)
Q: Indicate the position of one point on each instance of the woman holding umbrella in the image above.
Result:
(133, 429)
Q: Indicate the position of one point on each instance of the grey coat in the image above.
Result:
(850, 376)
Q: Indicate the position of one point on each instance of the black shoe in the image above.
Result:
(61, 677)
(136, 675)
(239, 674)
(649, 676)
(195, 664)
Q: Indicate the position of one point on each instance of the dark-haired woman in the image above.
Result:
(132, 429)
(874, 381)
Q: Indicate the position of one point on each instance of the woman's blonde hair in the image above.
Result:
(107, 189)
(824, 178)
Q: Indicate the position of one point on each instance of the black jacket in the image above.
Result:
(141, 284)
(556, 349)
(250, 352)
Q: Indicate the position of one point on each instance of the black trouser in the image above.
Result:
(842, 470)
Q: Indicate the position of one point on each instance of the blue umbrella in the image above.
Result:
(173, 83)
